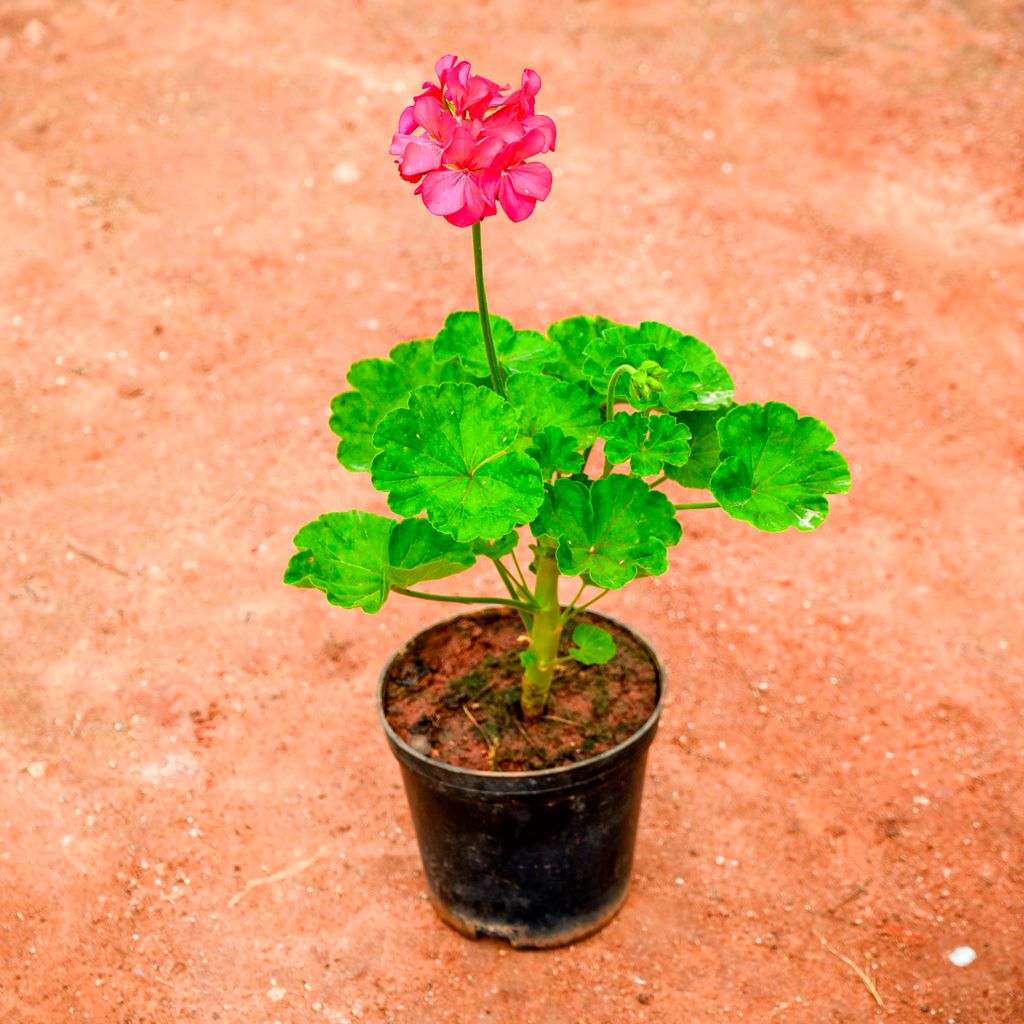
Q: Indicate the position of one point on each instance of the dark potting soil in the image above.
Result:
(453, 695)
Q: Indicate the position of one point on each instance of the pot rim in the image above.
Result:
(541, 773)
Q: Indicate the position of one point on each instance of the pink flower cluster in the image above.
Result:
(467, 141)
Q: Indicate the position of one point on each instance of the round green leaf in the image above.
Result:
(449, 453)
(695, 379)
(542, 402)
(608, 530)
(777, 467)
(572, 336)
(380, 386)
(594, 645)
(517, 351)
(705, 450)
(647, 442)
(555, 453)
(355, 558)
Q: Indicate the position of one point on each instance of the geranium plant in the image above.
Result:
(571, 433)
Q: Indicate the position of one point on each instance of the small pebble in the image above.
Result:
(37, 769)
(962, 956)
(421, 744)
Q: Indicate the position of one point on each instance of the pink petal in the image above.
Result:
(445, 64)
(444, 192)
(399, 141)
(489, 179)
(530, 87)
(504, 125)
(533, 180)
(421, 155)
(476, 207)
(431, 116)
(485, 153)
(517, 207)
(406, 123)
(530, 144)
(461, 149)
(543, 124)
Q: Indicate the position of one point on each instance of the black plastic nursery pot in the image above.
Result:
(540, 858)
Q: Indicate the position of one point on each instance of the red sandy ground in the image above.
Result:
(201, 229)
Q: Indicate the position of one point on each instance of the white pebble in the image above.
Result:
(962, 956)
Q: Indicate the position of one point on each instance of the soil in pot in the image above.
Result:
(453, 695)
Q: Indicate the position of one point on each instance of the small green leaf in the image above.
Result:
(542, 402)
(777, 467)
(380, 386)
(694, 378)
(450, 453)
(555, 453)
(355, 558)
(517, 351)
(496, 548)
(705, 450)
(648, 442)
(572, 336)
(594, 645)
(608, 530)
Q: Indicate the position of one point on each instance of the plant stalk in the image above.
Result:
(544, 634)
(497, 376)
(698, 504)
(455, 599)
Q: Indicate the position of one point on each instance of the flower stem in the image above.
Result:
(464, 600)
(497, 377)
(699, 504)
(609, 405)
(513, 591)
(574, 610)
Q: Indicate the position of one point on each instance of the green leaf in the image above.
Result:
(355, 558)
(450, 453)
(572, 336)
(695, 379)
(504, 545)
(648, 442)
(542, 402)
(777, 467)
(594, 645)
(608, 530)
(555, 453)
(517, 351)
(417, 552)
(705, 449)
(382, 385)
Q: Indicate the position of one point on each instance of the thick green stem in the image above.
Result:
(698, 504)
(497, 377)
(544, 634)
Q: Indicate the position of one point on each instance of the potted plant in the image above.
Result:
(522, 730)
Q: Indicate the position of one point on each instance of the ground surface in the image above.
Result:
(199, 819)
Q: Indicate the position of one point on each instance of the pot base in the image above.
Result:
(520, 936)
